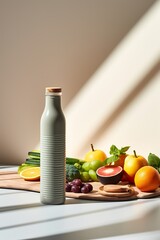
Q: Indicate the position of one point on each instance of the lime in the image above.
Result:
(93, 175)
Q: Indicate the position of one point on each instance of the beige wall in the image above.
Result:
(47, 43)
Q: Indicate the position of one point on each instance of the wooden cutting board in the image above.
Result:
(10, 179)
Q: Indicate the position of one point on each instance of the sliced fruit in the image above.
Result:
(25, 166)
(31, 174)
(109, 174)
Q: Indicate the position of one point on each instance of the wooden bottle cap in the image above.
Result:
(53, 89)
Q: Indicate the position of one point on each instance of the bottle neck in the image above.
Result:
(53, 101)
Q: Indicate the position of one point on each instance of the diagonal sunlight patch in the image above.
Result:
(122, 72)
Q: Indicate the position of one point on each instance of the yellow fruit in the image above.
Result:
(132, 164)
(147, 179)
(31, 174)
(95, 155)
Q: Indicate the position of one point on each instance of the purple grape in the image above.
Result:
(77, 182)
(68, 187)
(83, 184)
(76, 189)
(78, 186)
(89, 186)
(85, 189)
(71, 183)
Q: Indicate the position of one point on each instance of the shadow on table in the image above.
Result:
(149, 221)
(145, 224)
(19, 207)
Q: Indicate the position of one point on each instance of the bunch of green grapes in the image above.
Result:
(88, 170)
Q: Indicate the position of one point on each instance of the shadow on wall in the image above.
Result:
(46, 41)
(129, 98)
(119, 82)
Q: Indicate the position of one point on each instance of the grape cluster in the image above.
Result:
(77, 186)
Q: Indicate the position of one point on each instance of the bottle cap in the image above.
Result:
(53, 89)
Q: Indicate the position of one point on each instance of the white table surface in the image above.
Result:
(22, 216)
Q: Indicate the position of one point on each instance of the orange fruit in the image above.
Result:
(95, 155)
(132, 164)
(147, 179)
(31, 174)
(120, 161)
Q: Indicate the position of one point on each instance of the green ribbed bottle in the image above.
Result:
(52, 148)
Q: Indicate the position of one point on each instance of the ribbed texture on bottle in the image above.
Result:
(53, 169)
